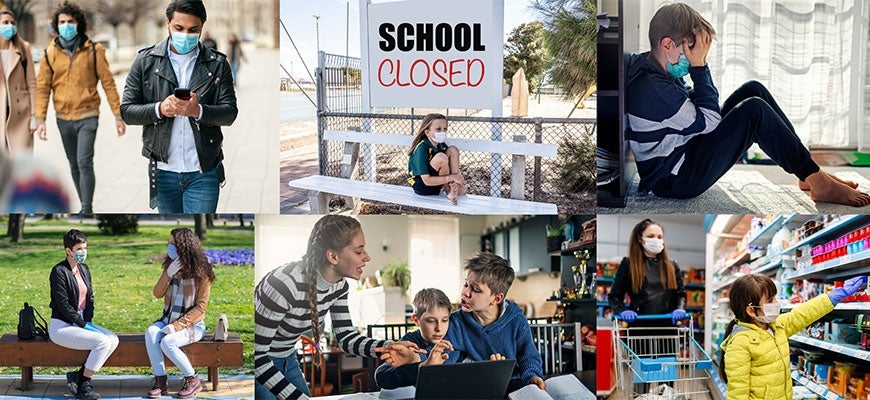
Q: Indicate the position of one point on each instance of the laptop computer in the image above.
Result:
(481, 380)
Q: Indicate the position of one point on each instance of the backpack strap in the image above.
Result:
(47, 61)
(41, 328)
(94, 51)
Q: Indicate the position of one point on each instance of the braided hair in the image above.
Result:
(332, 232)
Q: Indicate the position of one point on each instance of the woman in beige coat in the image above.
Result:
(17, 88)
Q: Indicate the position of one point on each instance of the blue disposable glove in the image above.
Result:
(849, 288)
(91, 327)
(628, 315)
(678, 315)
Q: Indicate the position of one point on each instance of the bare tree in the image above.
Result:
(114, 13)
(141, 9)
(19, 7)
(199, 227)
(16, 228)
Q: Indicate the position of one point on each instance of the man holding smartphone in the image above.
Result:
(182, 93)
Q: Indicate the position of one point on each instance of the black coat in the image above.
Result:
(151, 79)
(675, 298)
(65, 294)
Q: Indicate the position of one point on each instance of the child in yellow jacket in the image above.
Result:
(755, 360)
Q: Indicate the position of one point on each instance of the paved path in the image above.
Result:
(123, 387)
(250, 149)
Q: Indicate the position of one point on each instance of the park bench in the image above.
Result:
(321, 188)
(41, 352)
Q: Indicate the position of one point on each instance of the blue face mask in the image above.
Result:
(67, 31)
(171, 251)
(7, 31)
(681, 68)
(80, 256)
(184, 42)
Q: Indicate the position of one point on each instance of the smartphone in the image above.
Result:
(182, 93)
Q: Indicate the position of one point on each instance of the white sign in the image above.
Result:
(433, 53)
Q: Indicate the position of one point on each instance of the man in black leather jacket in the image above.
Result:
(181, 136)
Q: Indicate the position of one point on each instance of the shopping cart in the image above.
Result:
(661, 362)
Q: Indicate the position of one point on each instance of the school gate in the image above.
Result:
(339, 108)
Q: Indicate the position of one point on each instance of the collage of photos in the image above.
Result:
(435, 199)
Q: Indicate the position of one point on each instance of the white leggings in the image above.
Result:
(72, 336)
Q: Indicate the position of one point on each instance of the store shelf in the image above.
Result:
(694, 308)
(602, 304)
(815, 387)
(838, 263)
(768, 231)
(727, 282)
(717, 382)
(776, 262)
(843, 224)
(600, 279)
(855, 306)
(738, 260)
(699, 286)
(848, 351)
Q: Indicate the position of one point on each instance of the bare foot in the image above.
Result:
(453, 193)
(824, 188)
(805, 187)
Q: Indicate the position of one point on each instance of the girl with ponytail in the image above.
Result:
(294, 299)
(755, 352)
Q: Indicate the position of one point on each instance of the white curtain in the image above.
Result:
(807, 53)
(434, 254)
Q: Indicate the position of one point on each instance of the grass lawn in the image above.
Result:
(124, 270)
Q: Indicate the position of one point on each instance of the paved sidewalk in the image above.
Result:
(250, 149)
(123, 387)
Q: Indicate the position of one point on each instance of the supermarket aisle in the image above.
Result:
(805, 256)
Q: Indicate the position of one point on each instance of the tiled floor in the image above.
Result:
(123, 387)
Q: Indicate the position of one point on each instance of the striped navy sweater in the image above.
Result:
(663, 116)
(282, 314)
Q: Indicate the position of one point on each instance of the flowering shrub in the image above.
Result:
(230, 257)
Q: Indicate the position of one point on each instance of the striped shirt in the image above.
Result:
(282, 314)
(663, 116)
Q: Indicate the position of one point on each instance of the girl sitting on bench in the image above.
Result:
(432, 165)
(185, 285)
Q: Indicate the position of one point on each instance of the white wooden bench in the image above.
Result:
(321, 187)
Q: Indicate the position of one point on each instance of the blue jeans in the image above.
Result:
(187, 192)
(292, 373)
(157, 344)
(78, 139)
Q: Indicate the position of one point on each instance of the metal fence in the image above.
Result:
(551, 180)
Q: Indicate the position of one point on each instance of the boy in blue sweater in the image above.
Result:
(487, 326)
(683, 142)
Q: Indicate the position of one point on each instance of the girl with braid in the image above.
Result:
(185, 285)
(294, 299)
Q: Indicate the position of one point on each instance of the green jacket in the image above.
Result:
(757, 364)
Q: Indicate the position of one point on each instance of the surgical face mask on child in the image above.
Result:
(680, 68)
(653, 245)
(439, 137)
(771, 311)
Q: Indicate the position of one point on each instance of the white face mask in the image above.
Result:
(440, 137)
(771, 311)
(653, 245)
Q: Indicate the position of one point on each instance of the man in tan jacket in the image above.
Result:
(71, 67)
